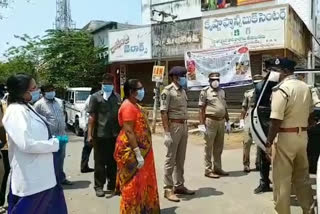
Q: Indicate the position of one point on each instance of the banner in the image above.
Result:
(258, 30)
(233, 64)
(129, 45)
(244, 2)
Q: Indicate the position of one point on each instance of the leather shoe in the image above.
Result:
(87, 170)
(262, 189)
(100, 193)
(169, 194)
(246, 169)
(66, 182)
(183, 191)
(212, 175)
(221, 172)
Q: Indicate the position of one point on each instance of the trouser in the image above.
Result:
(86, 150)
(175, 157)
(60, 156)
(104, 163)
(214, 144)
(5, 177)
(290, 166)
(264, 166)
(247, 143)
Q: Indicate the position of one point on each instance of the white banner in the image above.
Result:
(258, 30)
(132, 44)
(233, 64)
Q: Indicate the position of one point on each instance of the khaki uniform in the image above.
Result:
(315, 96)
(292, 103)
(174, 103)
(215, 104)
(248, 104)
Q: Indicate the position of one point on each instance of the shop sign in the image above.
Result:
(258, 30)
(128, 45)
(158, 73)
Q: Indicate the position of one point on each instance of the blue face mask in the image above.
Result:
(183, 82)
(107, 88)
(50, 95)
(140, 94)
(35, 96)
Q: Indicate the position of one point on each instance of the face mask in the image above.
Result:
(274, 76)
(50, 95)
(215, 84)
(107, 88)
(183, 82)
(140, 94)
(35, 96)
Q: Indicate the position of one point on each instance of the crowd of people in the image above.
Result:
(118, 131)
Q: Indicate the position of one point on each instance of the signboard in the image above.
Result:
(257, 30)
(175, 39)
(128, 45)
(233, 64)
(244, 2)
(158, 73)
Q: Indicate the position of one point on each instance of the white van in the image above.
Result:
(74, 105)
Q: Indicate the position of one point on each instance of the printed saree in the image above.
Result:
(137, 187)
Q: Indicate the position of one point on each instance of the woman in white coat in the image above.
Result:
(34, 187)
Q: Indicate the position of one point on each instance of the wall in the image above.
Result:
(184, 9)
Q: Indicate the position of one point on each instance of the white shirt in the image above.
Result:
(30, 151)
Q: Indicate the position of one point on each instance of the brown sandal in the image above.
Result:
(212, 175)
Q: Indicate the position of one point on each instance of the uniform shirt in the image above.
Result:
(53, 112)
(174, 102)
(106, 114)
(248, 100)
(292, 103)
(214, 101)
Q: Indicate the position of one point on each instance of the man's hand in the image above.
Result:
(269, 151)
(228, 127)
(167, 139)
(241, 125)
(90, 140)
(202, 128)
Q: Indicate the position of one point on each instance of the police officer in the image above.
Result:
(291, 107)
(247, 106)
(213, 114)
(314, 90)
(174, 115)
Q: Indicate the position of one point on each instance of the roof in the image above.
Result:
(95, 25)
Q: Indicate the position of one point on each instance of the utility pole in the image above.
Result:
(157, 87)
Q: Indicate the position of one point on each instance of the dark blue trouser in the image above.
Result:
(264, 167)
(60, 155)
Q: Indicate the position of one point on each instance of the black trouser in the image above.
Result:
(5, 177)
(104, 163)
(85, 152)
(264, 167)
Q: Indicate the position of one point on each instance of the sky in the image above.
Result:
(33, 17)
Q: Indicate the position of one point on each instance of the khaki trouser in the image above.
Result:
(214, 144)
(176, 153)
(290, 166)
(247, 143)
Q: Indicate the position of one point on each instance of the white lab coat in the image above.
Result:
(30, 151)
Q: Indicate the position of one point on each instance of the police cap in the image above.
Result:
(282, 63)
(214, 76)
(178, 71)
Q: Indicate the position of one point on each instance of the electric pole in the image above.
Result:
(63, 16)
(157, 87)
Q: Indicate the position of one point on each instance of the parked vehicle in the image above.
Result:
(74, 104)
(260, 120)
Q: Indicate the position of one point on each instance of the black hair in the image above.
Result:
(17, 86)
(108, 77)
(129, 87)
(46, 87)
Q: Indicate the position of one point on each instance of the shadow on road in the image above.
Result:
(202, 193)
(78, 185)
(237, 173)
(170, 210)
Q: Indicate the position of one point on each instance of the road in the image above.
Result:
(227, 195)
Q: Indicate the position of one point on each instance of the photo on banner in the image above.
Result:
(233, 64)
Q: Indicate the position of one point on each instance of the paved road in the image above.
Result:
(228, 195)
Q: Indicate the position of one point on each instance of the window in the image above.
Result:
(82, 96)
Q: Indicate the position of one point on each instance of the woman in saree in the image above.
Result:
(136, 176)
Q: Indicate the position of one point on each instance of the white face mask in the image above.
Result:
(215, 84)
(274, 76)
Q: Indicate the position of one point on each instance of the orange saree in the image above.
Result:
(138, 187)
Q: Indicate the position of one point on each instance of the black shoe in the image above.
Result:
(100, 193)
(87, 170)
(262, 189)
(111, 188)
(67, 183)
